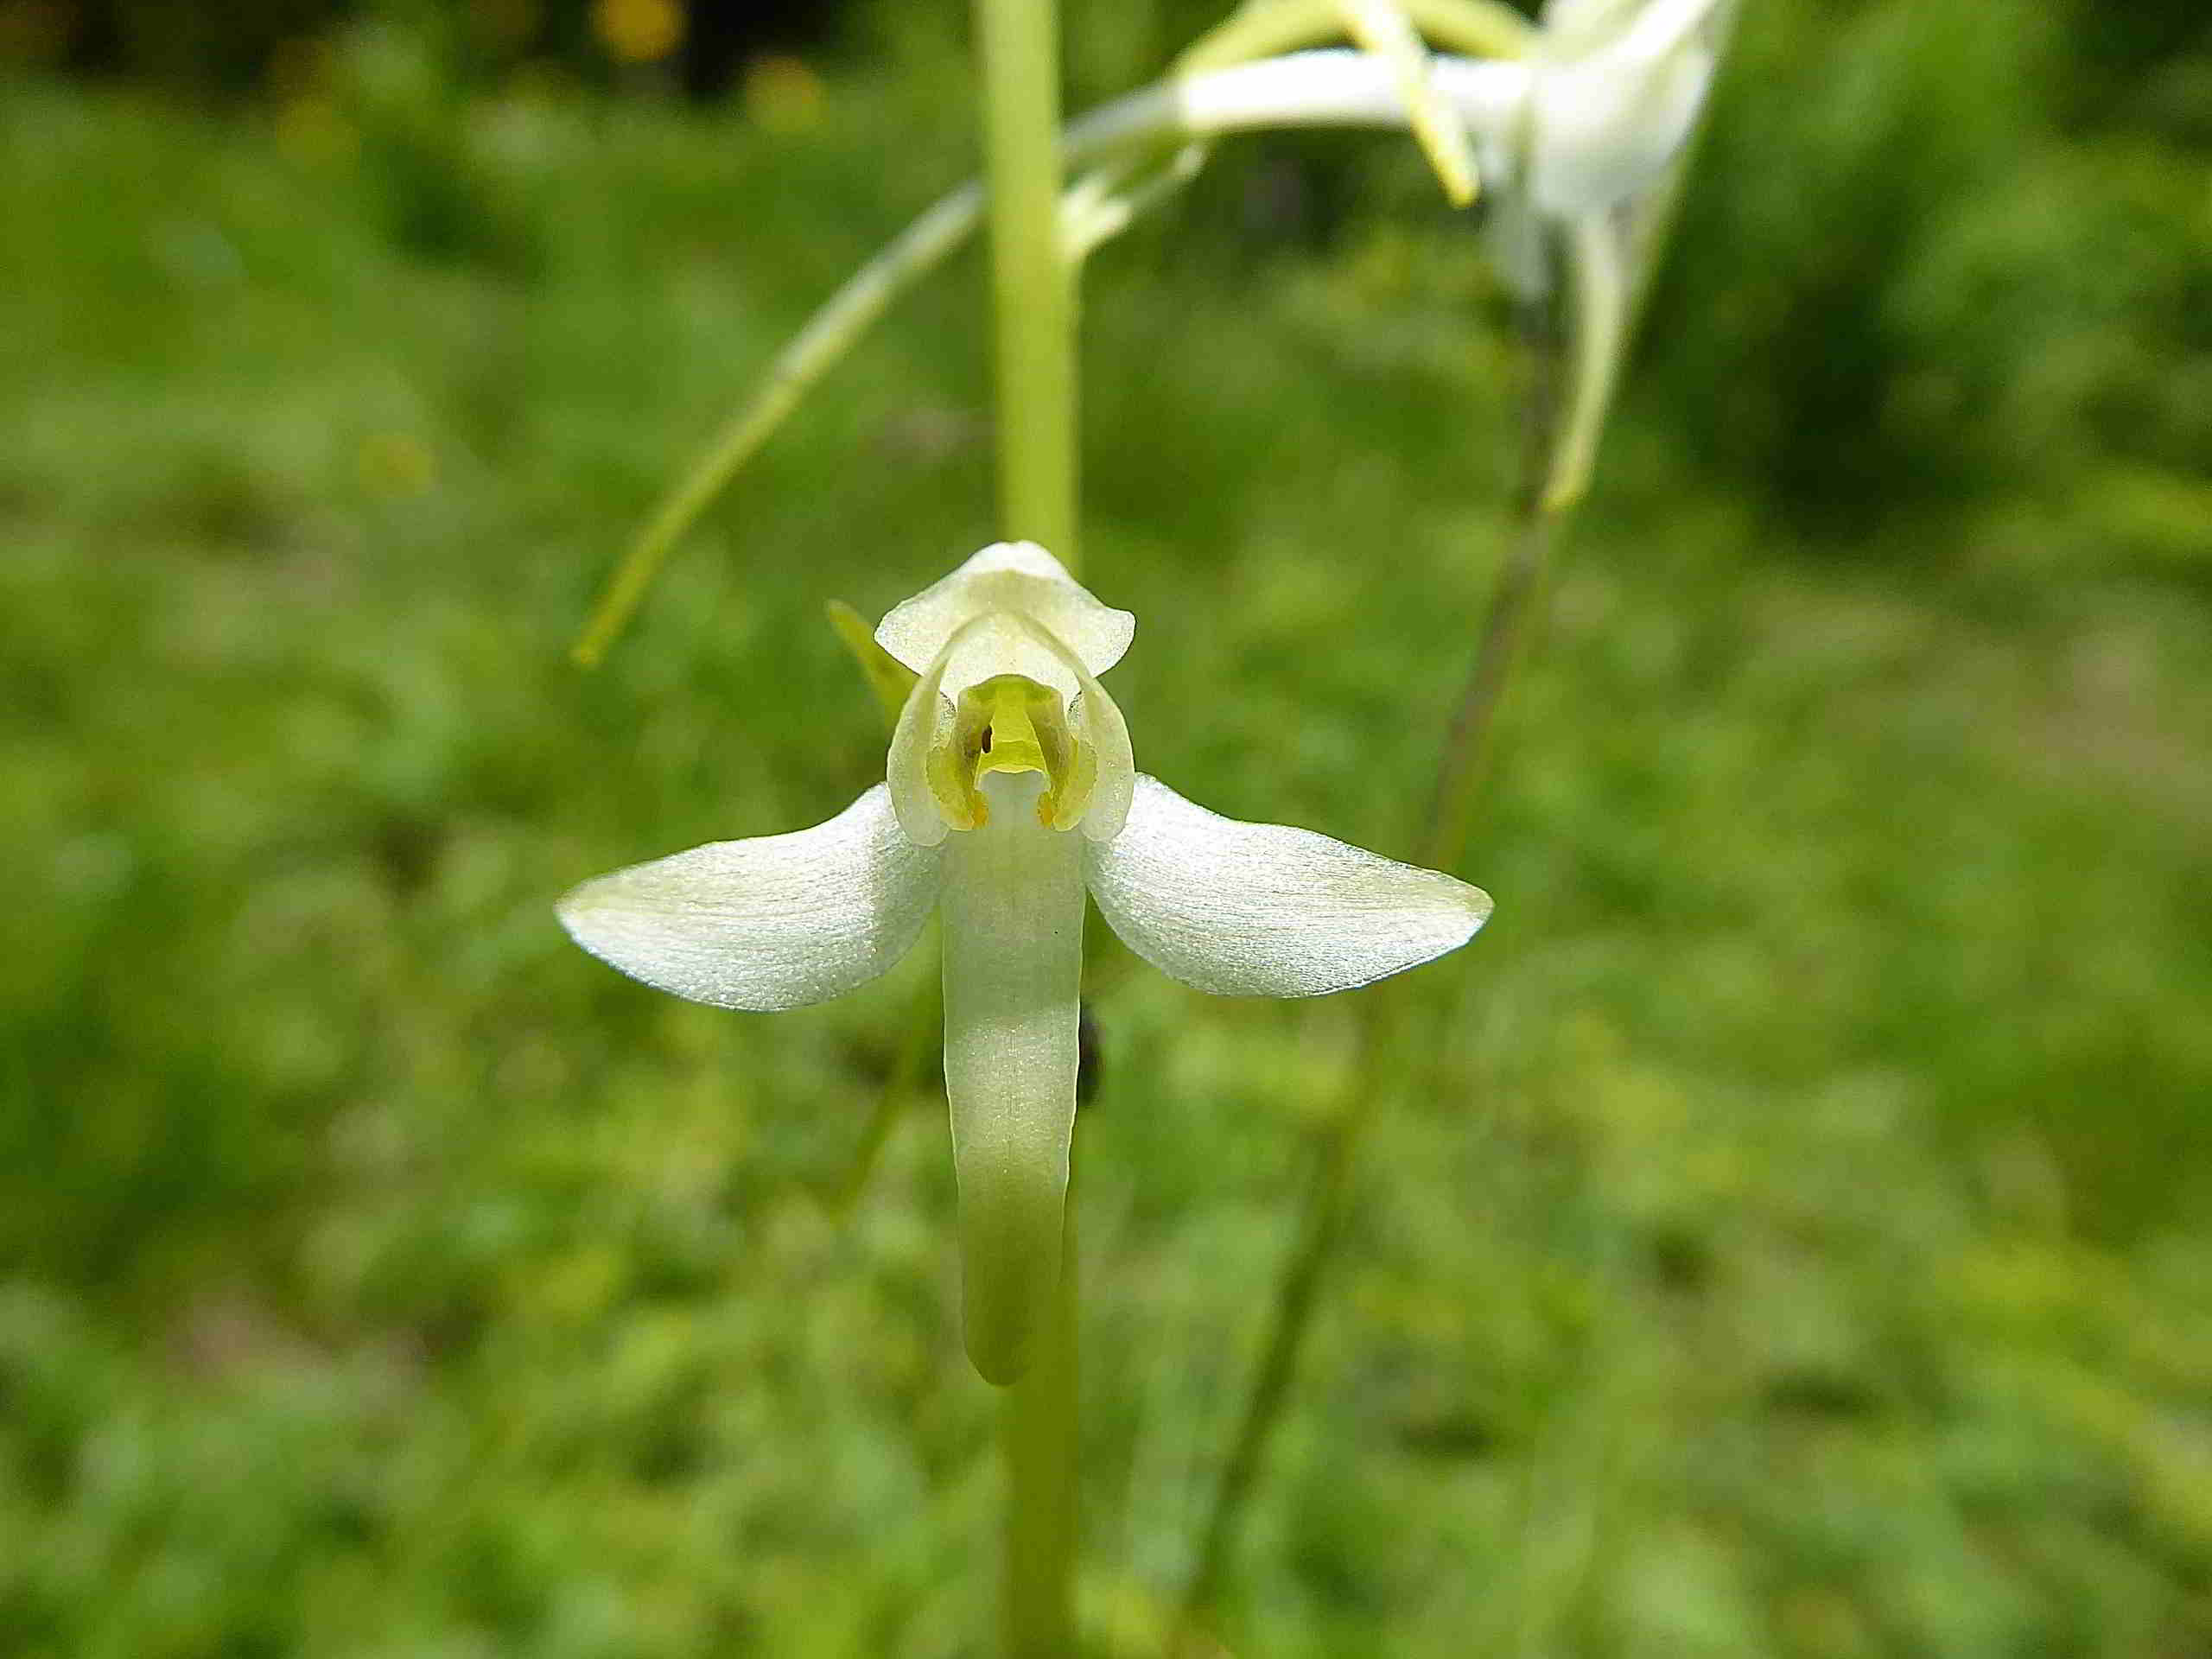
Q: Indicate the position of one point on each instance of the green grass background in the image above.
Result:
(1787, 1233)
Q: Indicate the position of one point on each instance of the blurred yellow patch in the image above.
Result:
(312, 130)
(782, 94)
(638, 31)
(394, 466)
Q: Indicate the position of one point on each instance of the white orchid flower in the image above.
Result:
(1011, 793)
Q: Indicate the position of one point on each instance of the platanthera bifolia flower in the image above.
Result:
(1010, 792)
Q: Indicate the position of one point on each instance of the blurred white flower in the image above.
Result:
(1615, 90)
(1580, 139)
(1010, 791)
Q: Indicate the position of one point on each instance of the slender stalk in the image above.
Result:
(1513, 608)
(1513, 600)
(1321, 1218)
(1031, 285)
(1034, 313)
(1037, 1426)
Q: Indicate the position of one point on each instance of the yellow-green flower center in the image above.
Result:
(1011, 723)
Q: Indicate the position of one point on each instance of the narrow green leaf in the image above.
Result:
(887, 676)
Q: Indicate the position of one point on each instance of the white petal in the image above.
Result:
(1020, 578)
(1310, 89)
(1264, 910)
(777, 922)
(1098, 721)
(1571, 28)
(1607, 121)
(1586, 25)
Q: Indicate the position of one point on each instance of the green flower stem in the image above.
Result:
(1514, 606)
(1032, 285)
(1033, 311)
(1037, 1426)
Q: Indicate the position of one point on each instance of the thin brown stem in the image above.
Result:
(1327, 1208)
(1515, 607)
